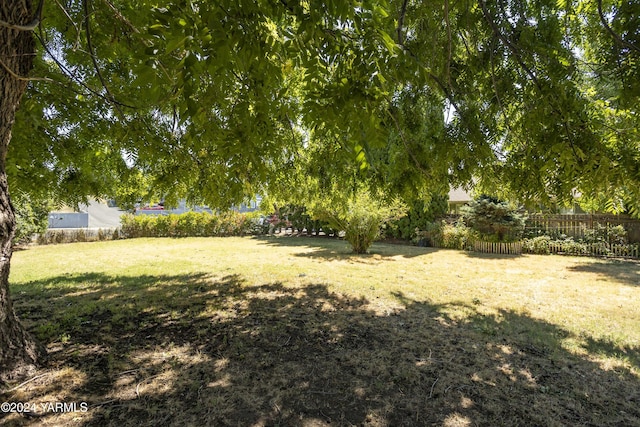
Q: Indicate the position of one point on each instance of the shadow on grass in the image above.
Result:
(485, 255)
(623, 271)
(331, 249)
(201, 350)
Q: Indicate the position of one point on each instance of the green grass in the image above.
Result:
(298, 331)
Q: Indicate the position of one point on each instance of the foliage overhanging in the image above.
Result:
(217, 101)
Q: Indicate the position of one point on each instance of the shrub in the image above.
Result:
(571, 247)
(493, 219)
(544, 245)
(190, 224)
(616, 235)
(457, 236)
(441, 234)
(255, 223)
(431, 235)
(233, 224)
(80, 236)
(296, 216)
(595, 241)
(361, 219)
(32, 217)
(361, 230)
(145, 225)
(419, 217)
(164, 226)
(537, 245)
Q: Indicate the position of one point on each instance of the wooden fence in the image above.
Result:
(558, 248)
(576, 225)
(513, 248)
(597, 249)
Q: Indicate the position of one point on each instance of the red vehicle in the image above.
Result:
(156, 207)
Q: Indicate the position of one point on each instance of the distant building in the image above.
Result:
(96, 214)
(252, 206)
(458, 197)
(182, 207)
(68, 220)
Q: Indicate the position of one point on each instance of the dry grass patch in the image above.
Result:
(292, 331)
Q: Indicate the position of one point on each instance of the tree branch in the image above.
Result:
(403, 12)
(513, 48)
(287, 6)
(495, 90)
(18, 77)
(68, 73)
(121, 17)
(448, 24)
(446, 90)
(71, 21)
(406, 145)
(615, 36)
(87, 25)
(29, 26)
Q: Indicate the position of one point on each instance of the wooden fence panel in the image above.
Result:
(597, 250)
(557, 248)
(513, 248)
(575, 225)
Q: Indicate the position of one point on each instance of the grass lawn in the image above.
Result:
(297, 331)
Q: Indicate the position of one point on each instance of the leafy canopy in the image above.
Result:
(218, 101)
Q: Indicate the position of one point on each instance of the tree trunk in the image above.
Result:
(18, 349)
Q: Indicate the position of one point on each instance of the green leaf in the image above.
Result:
(380, 11)
(175, 43)
(388, 41)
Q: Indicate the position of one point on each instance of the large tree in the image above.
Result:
(214, 101)
(16, 56)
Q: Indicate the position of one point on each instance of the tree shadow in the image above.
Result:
(330, 249)
(623, 271)
(202, 350)
(608, 348)
(484, 255)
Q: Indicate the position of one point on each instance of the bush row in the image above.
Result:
(191, 224)
(544, 245)
(77, 235)
(600, 233)
(457, 235)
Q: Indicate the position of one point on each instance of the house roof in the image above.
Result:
(459, 195)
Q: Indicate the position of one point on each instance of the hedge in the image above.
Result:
(191, 224)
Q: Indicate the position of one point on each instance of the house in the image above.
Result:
(458, 197)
